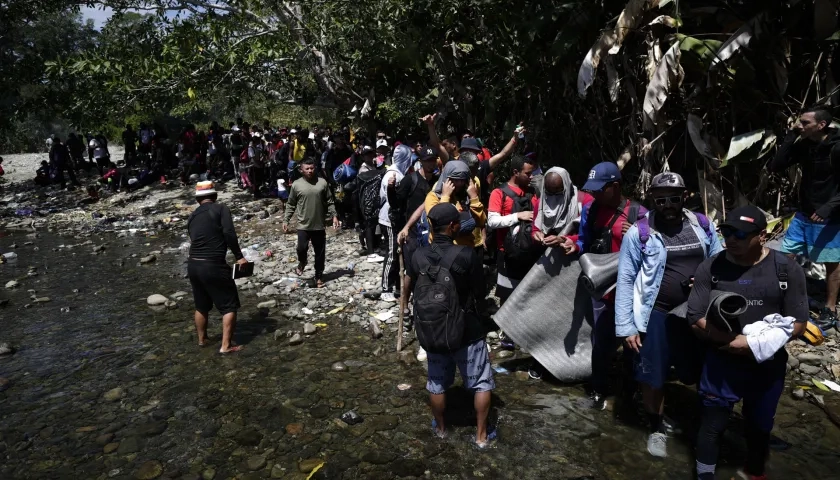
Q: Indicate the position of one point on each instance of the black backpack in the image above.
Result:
(369, 199)
(520, 248)
(600, 239)
(438, 316)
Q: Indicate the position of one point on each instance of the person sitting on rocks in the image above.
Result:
(112, 177)
(42, 175)
(211, 232)
(471, 355)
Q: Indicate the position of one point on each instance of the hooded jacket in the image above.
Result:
(820, 188)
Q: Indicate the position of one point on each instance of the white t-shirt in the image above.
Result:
(383, 195)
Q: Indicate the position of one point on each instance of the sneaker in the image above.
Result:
(505, 343)
(657, 445)
(599, 402)
(827, 320)
(388, 297)
(534, 373)
(375, 258)
(421, 354)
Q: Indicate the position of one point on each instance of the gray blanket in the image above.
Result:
(550, 315)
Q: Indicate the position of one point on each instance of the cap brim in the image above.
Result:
(594, 185)
(742, 226)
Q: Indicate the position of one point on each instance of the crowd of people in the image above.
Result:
(435, 205)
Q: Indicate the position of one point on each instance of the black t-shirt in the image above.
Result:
(758, 283)
(411, 193)
(211, 232)
(484, 172)
(129, 139)
(685, 253)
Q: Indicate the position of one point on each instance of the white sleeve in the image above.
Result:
(496, 220)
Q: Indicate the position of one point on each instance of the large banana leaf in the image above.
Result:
(749, 146)
(668, 74)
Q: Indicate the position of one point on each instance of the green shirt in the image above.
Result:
(313, 203)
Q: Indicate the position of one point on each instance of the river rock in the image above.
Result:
(148, 259)
(156, 299)
(798, 393)
(277, 471)
(12, 284)
(375, 331)
(294, 428)
(306, 466)
(309, 329)
(270, 290)
(384, 422)
(179, 295)
(339, 367)
(171, 304)
(6, 349)
(149, 470)
(209, 473)
(98, 248)
(248, 437)
(41, 299)
(809, 369)
(296, 339)
(129, 445)
(113, 395)
(267, 304)
(810, 358)
(110, 447)
(351, 418)
(256, 462)
(793, 362)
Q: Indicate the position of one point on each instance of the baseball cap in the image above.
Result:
(367, 149)
(427, 153)
(382, 143)
(749, 219)
(600, 175)
(667, 180)
(293, 131)
(470, 144)
(443, 214)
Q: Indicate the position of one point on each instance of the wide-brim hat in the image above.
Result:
(203, 189)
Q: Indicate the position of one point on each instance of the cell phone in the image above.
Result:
(242, 271)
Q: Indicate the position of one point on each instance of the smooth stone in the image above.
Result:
(6, 349)
(798, 393)
(256, 462)
(306, 466)
(810, 358)
(129, 445)
(113, 395)
(171, 304)
(270, 290)
(179, 295)
(104, 439)
(809, 369)
(277, 471)
(375, 331)
(41, 300)
(208, 474)
(267, 304)
(504, 354)
(296, 339)
(12, 284)
(110, 447)
(149, 470)
(294, 428)
(309, 329)
(248, 437)
(378, 458)
(156, 299)
(793, 362)
(148, 259)
(383, 422)
(150, 429)
(339, 367)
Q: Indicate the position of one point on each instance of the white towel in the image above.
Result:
(767, 337)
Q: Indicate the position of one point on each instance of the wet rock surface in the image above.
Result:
(116, 388)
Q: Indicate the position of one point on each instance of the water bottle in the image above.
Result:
(9, 256)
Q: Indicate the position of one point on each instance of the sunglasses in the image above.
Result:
(672, 200)
(732, 232)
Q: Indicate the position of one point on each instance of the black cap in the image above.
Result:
(427, 153)
(749, 219)
(470, 143)
(443, 214)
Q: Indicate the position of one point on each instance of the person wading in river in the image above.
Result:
(211, 232)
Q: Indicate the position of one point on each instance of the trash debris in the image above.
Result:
(382, 316)
(307, 311)
(831, 385)
(351, 418)
(403, 387)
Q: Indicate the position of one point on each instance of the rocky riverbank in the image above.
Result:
(98, 383)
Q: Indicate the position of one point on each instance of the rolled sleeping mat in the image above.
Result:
(724, 310)
(599, 272)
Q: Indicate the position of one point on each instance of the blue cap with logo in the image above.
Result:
(601, 175)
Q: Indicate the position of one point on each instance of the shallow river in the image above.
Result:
(113, 389)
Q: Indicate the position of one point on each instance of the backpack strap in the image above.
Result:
(781, 262)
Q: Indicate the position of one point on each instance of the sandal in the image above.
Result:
(319, 283)
(233, 349)
(491, 437)
(298, 271)
(435, 431)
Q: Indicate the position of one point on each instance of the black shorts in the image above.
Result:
(212, 284)
(408, 248)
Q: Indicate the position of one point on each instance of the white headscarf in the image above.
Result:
(558, 212)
